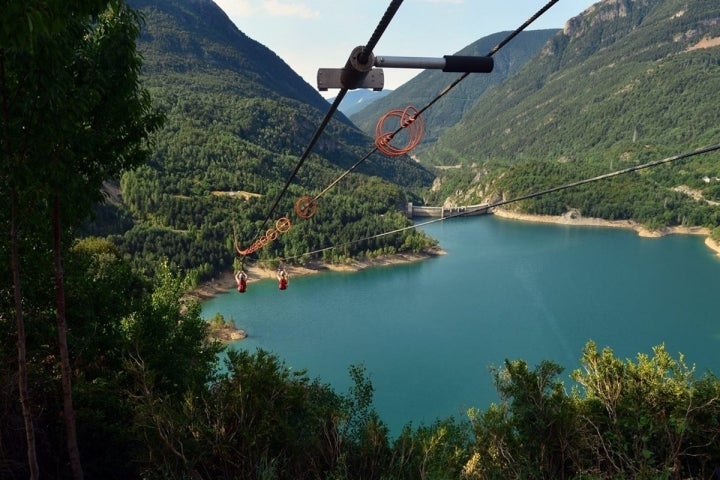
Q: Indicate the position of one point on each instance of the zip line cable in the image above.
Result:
(655, 163)
(492, 52)
(379, 30)
(306, 206)
(305, 154)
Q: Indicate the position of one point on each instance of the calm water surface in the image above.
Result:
(428, 332)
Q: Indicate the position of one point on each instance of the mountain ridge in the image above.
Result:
(622, 84)
(238, 119)
(452, 107)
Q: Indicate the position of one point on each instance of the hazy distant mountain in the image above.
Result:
(356, 100)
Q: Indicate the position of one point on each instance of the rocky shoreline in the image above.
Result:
(226, 282)
(575, 218)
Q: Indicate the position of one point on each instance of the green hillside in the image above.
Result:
(450, 109)
(623, 84)
(109, 374)
(238, 119)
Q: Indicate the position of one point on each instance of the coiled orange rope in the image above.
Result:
(410, 121)
(282, 225)
(305, 207)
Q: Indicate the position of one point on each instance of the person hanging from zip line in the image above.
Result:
(241, 280)
(282, 277)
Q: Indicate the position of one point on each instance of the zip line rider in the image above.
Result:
(241, 280)
(282, 278)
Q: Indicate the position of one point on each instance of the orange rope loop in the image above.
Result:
(305, 207)
(408, 119)
(282, 225)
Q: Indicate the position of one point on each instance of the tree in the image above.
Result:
(531, 434)
(73, 115)
(651, 418)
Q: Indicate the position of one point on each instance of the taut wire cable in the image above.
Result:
(375, 37)
(654, 163)
(492, 52)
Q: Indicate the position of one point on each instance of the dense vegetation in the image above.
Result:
(237, 121)
(650, 197)
(152, 401)
(627, 83)
(108, 374)
(206, 184)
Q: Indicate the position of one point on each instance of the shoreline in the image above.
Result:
(226, 282)
(229, 333)
(574, 218)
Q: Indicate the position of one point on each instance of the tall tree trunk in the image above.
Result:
(15, 266)
(22, 364)
(69, 412)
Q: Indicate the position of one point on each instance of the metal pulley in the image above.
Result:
(359, 72)
(355, 74)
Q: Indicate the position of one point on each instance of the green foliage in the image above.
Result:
(436, 451)
(716, 234)
(61, 134)
(152, 402)
(642, 196)
(644, 419)
(237, 121)
(644, 416)
(530, 435)
(642, 89)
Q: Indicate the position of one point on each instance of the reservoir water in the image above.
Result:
(428, 332)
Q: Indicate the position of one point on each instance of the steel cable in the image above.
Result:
(493, 51)
(488, 206)
(375, 37)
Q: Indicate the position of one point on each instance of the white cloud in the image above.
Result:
(289, 9)
(238, 8)
(272, 8)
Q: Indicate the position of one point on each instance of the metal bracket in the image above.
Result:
(332, 78)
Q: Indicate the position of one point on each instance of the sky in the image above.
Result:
(312, 34)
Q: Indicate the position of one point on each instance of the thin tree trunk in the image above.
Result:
(19, 319)
(69, 412)
(22, 364)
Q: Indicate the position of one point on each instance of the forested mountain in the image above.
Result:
(106, 373)
(469, 93)
(238, 119)
(624, 83)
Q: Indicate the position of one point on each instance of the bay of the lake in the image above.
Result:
(427, 332)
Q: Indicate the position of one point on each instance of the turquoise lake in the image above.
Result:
(428, 332)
